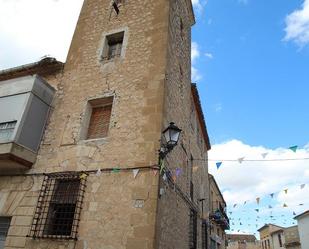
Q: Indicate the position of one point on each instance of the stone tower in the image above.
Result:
(96, 180)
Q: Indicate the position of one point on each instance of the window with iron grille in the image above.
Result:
(193, 229)
(4, 228)
(101, 110)
(113, 46)
(59, 206)
(7, 129)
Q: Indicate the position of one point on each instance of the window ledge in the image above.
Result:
(102, 140)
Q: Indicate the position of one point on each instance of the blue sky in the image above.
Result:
(255, 87)
(251, 62)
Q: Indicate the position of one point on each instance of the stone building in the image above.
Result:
(291, 237)
(275, 237)
(242, 241)
(79, 140)
(266, 232)
(219, 222)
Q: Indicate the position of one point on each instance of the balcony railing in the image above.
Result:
(220, 217)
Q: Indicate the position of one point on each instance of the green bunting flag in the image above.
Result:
(162, 166)
(286, 191)
(116, 170)
(272, 195)
(293, 148)
(302, 186)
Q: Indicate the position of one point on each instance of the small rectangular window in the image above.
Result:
(113, 46)
(4, 228)
(59, 206)
(7, 129)
(101, 110)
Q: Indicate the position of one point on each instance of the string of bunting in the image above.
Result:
(264, 155)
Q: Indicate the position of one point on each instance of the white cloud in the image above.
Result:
(30, 29)
(248, 180)
(218, 107)
(209, 55)
(195, 52)
(197, 5)
(195, 75)
(297, 25)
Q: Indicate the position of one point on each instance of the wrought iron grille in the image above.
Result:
(4, 227)
(59, 206)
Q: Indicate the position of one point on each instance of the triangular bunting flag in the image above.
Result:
(83, 176)
(294, 213)
(135, 172)
(264, 155)
(257, 210)
(258, 200)
(162, 166)
(245, 202)
(164, 177)
(240, 223)
(286, 191)
(284, 205)
(116, 170)
(218, 164)
(293, 148)
(234, 206)
(272, 195)
(240, 160)
(269, 206)
(99, 172)
(178, 171)
(302, 186)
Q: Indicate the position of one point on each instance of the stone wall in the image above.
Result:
(173, 221)
(151, 86)
(109, 216)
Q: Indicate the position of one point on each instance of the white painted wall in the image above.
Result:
(275, 240)
(303, 228)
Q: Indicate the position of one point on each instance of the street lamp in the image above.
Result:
(171, 135)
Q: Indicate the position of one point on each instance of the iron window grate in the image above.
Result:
(59, 206)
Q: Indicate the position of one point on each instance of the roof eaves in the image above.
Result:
(200, 113)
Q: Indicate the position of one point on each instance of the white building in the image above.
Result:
(303, 228)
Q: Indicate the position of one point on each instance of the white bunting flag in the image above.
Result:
(240, 160)
(99, 172)
(135, 172)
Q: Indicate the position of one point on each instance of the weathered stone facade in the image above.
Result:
(219, 221)
(150, 85)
